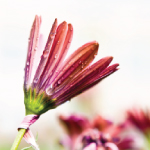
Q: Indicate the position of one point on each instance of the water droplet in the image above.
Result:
(55, 55)
(27, 63)
(59, 81)
(82, 66)
(37, 38)
(69, 41)
(35, 80)
(52, 34)
(80, 62)
(85, 62)
(35, 48)
(51, 86)
(50, 90)
(45, 53)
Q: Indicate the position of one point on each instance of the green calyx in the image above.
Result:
(36, 103)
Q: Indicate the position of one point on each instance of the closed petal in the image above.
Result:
(73, 66)
(45, 54)
(64, 51)
(80, 87)
(54, 55)
(32, 47)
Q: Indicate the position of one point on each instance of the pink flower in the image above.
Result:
(100, 133)
(140, 119)
(57, 81)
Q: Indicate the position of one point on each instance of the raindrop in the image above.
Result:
(49, 91)
(69, 41)
(51, 86)
(27, 63)
(82, 66)
(45, 53)
(35, 80)
(52, 35)
(80, 62)
(59, 81)
(55, 55)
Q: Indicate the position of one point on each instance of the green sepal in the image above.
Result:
(36, 103)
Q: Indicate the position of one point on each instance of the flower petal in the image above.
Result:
(79, 60)
(83, 84)
(45, 54)
(32, 47)
(87, 74)
(64, 51)
(54, 55)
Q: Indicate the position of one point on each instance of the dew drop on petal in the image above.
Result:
(49, 90)
(35, 80)
(27, 63)
(45, 53)
(55, 55)
(59, 81)
(80, 62)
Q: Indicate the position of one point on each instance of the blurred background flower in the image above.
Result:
(98, 132)
(121, 27)
(140, 119)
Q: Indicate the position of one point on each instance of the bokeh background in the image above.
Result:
(123, 30)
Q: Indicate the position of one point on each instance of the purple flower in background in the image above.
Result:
(99, 134)
(140, 119)
(57, 81)
(74, 125)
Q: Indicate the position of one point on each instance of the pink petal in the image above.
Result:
(64, 51)
(54, 55)
(83, 85)
(79, 60)
(32, 47)
(45, 54)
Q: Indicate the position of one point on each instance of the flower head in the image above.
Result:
(74, 124)
(57, 81)
(140, 119)
(99, 134)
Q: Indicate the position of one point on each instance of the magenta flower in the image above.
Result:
(100, 133)
(140, 119)
(74, 125)
(57, 80)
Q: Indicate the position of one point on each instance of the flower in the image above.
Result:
(140, 119)
(75, 125)
(57, 81)
(99, 133)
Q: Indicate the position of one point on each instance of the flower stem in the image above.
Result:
(17, 141)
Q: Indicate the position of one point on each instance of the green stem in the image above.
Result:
(17, 141)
